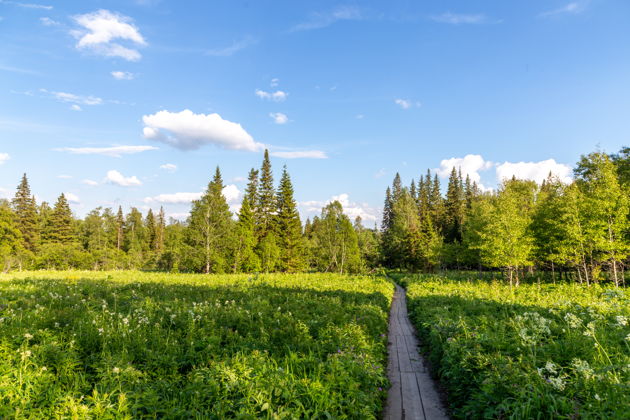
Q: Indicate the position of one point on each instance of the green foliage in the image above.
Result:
(209, 232)
(26, 215)
(535, 351)
(289, 228)
(138, 345)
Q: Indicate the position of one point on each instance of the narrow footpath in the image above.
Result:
(413, 394)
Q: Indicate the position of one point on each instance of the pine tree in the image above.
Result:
(436, 204)
(10, 236)
(61, 223)
(266, 200)
(210, 228)
(289, 227)
(245, 259)
(151, 227)
(26, 215)
(120, 225)
(387, 210)
(396, 187)
(160, 228)
(454, 209)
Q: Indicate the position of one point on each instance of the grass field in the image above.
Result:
(533, 351)
(140, 345)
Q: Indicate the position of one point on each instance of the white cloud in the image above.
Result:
(406, 103)
(181, 216)
(4, 193)
(274, 82)
(72, 98)
(188, 131)
(279, 117)
(170, 167)
(46, 21)
(175, 198)
(4, 157)
(114, 151)
(470, 165)
(230, 192)
(89, 182)
(321, 20)
(75, 107)
(64, 176)
(27, 5)
(570, 8)
(299, 154)
(350, 208)
(360, 116)
(122, 75)
(115, 177)
(534, 171)
(100, 29)
(380, 173)
(233, 48)
(458, 19)
(72, 198)
(277, 96)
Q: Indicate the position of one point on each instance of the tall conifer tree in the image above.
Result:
(289, 227)
(26, 215)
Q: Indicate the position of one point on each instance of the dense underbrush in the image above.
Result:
(138, 345)
(533, 351)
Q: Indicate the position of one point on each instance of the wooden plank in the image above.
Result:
(393, 409)
(411, 400)
(433, 408)
(404, 361)
(417, 363)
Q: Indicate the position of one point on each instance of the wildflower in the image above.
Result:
(582, 367)
(25, 354)
(622, 321)
(572, 320)
(28, 336)
(101, 330)
(557, 383)
(627, 337)
(590, 330)
(597, 397)
(116, 370)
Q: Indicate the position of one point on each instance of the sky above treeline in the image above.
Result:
(134, 103)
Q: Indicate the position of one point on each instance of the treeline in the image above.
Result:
(582, 228)
(267, 234)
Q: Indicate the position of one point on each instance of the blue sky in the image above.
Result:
(136, 102)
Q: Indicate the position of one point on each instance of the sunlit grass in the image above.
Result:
(133, 345)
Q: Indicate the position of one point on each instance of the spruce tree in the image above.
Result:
(61, 223)
(26, 215)
(454, 209)
(151, 226)
(120, 225)
(245, 259)
(210, 228)
(289, 227)
(266, 206)
(160, 228)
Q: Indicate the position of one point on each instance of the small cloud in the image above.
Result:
(461, 19)
(230, 192)
(534, 171)
(470, 165)
(239, 179)
(406, 103)
(72, 98)
(64, 176)
(573, 8)
(380, 173)
(279, 118)
(170, 167)
(115, 177)
(72, 198)
(232, 49)
(322, 20)
(89, 182)
(114, 151)
(277, 96)
(75, 107)
(4, 157)
(359, 116)
(350, 208)
(305, 154)
(274, 82)
(27, 5)
(122, 75)
(188, 131)
(46, 21)
(98, 31)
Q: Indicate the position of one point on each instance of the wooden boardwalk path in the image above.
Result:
(413, 394)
